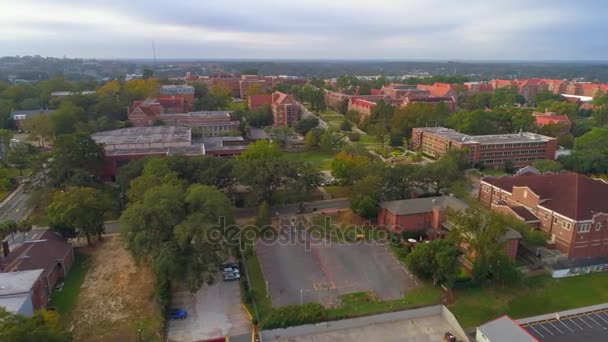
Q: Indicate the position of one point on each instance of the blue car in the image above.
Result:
(177, 314)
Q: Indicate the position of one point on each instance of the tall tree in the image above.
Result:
(83, 209)
(437, 261)
(72, 152)
(43, 326)
(261, 167)
(20, 156)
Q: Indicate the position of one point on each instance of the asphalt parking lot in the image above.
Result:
(296, 274)
(213, 311)
(589, 327)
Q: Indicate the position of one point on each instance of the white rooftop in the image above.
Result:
(12, 283)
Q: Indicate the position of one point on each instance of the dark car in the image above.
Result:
(449, 337)
(177, 314)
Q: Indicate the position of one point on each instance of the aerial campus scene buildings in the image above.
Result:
(303, 171)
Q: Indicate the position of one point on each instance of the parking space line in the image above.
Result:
(538, 332)
(559, 320)
(589, 325)
(602, 312)
(596, 322)
(602, 318)
(573, 322)
(556, 328)
(549, 331)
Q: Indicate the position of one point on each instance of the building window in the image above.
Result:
(566, 225)
(584, 228)
(598, 226)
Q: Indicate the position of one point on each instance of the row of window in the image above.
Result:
(512, 153)
(499, 146)
(500, 161)
(586, 227)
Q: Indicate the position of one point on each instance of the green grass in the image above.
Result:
(66, 300)
(535, 296)
(322, 160)
(240, 105)
(366, 303)
(258, 286)
(338, 191)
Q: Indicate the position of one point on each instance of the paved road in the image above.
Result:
(290, 209)
(16, 207)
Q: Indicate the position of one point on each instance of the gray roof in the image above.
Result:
(218, 143)
(510, 234)
(143, 135)
(12, 283)
(14, 303)
(523, 137)
(503, 329)
(423, 205)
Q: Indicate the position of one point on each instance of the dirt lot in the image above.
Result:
(116, 298)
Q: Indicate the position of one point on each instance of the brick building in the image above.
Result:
(571, 209)
(449, 102)
(492, 150)
(552, 118)
(397, 91)
(336, 100)
(255, 102)
(39, 249)
(429, 214)
(285, 109)
(183, 91)
(23, 292)
(171, 112)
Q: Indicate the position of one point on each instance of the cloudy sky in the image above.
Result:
(316, 29)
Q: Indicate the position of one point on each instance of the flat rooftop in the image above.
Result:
(193, 150)
(512, 138)
(220, 114)
(421, 325)
(144, 135)
(589, 324)
(177, 89)
(13, 283)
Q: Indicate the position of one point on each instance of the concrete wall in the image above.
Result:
(449, 317)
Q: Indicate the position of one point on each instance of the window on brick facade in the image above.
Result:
(598, 226)
(566, 225)
(584, 228)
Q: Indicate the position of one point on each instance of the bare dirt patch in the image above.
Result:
(116, 298)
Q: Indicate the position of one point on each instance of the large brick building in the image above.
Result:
(571, 209)
(491, 150)
(285, 109)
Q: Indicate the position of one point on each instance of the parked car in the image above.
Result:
(177, 314)
(231, 270)
(231, 276)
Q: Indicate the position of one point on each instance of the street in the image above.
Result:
(15, 206)
(290, 209)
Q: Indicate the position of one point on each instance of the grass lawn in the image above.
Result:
(65, 301)
(366, 303)
(320, 159)
(338, 191)
(535, 296)
(263, 303)
(239, 105)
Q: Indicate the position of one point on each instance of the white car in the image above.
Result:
(231, 270)
(231, 276)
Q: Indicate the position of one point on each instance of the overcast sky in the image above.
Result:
(307, 29)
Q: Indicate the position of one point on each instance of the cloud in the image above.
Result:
(390, 29)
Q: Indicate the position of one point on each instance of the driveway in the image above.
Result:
(214, 311)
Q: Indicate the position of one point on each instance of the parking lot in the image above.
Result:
(589, 327)
(213, 311)
(296, 274)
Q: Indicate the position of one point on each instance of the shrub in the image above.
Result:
(354, 136)
(295, 315)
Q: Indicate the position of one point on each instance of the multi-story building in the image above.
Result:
(397, 91)
(183, 91)
(336, 100)
(448, 101)
(285, 109)
(249, 81)
(204, 123)
(255, 102)
(571, 209)
(492, 150)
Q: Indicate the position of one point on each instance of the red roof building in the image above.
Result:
(570, 208)
(285, 109)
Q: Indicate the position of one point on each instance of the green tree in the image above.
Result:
(305, 125)
(74, 152)
(546, 165)
(437, 261)
(600, 111)
(311, 141)
(506, 96)
(346, 126)
(547, 95)
(80, 208)
(5, 142)
(261, 167)
(477, 101)
(65, 118)
(366, 196)
(43, 326)
(20, 156)
(281, 135)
